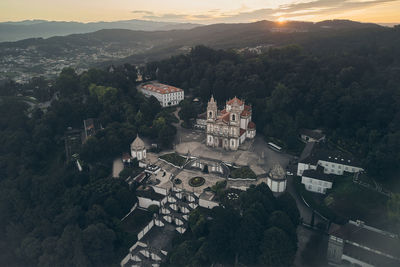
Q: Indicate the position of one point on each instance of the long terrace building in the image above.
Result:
(167, 95)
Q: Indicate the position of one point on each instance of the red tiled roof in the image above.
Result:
(251, 125)
(235, 100)
(247, 107)
(225, 117)
(223, 111)
(245, 113)
(161, 88)
(242, 131)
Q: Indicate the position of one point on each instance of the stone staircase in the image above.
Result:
(174, 214)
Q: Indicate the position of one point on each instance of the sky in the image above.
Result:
(201, 11)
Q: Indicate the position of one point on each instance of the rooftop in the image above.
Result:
(207, 195)
(318, 174)
(277, 172)
(137, 144)
(383, 247)
(313, 152)
(160, 88)
(235, 100)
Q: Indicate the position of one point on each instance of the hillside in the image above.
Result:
(37, 56)
(14, 31)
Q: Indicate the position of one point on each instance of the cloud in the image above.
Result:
(167, 17)
(143, 12)
(293, 10)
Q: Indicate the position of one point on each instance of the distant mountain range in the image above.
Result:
(37, 56)
(14, 31)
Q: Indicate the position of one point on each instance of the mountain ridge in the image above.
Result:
(15, 31)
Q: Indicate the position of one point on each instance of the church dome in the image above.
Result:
(137, 144)
(277, 172)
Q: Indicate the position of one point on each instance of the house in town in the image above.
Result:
(230, 127)
(90, 128)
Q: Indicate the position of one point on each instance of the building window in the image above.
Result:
(233, 117)
(210, 114)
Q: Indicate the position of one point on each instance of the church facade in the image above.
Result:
(230, 127)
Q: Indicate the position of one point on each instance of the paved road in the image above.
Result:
(305, 211)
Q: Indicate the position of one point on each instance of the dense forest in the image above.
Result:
(257, 229)
(349, 88)
(52, 214)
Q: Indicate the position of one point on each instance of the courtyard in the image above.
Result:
(256, 154)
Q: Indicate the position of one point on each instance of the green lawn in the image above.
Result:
(135, 222)
(174, 158)
(347, 200)
(356, 202)
(243, 172)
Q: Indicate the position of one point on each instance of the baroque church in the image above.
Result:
(230, 127)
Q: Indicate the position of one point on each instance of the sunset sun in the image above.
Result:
(281, 20)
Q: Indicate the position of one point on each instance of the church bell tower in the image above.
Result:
(212, 109)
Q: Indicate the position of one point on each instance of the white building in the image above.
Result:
(231, 126)
(138, 149)
(333, 162)
(316, 180)
(167, 95)
(276, 179)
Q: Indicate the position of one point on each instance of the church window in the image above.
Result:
(210, 114)
(233, 117)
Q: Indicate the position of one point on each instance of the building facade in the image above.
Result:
(332, 162)
(316, 180)
(276, 179)
(230, 127)
(138, 149)
(167, 95)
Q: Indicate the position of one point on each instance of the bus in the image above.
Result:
(274, 147)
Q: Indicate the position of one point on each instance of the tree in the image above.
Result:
(282, 221)
(67, 82)
(187, 111)
(249, 236)
(393, 209)
(276, 248)
(153, 209)
(287, 204)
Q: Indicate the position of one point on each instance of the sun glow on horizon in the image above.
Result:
(281, 20)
